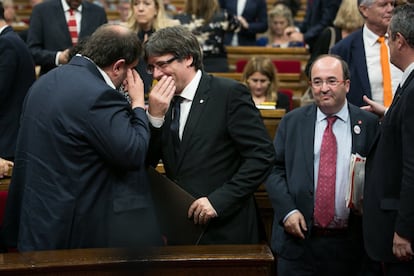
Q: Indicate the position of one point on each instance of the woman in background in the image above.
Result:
(260, 76)
(146, 17)
(279, 18)
(208, 22)
(347, 20)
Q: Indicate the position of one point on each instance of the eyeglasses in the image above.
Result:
(318, 83)
(160, 65)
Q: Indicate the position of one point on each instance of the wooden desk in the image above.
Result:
(235, 53)
(170, 260)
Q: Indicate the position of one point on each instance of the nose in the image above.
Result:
(157, 73)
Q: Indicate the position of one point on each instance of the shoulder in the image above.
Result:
(349, 40)
(92, 7)
(363, 114)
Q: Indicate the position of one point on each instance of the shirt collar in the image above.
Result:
(406, 73)
(66, 6)
(342, 114)
(189, 91)
(103, 73)
(2, 29)
(369, 36)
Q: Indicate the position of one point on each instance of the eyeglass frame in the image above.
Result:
(332, 85)
(160, 65)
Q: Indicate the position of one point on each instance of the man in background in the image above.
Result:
(362, 51)
(57, 25)
(17, 73)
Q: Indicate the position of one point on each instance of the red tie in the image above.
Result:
(325, 192)
(73, 29)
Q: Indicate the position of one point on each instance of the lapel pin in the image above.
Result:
(357, 129)
(201, 101)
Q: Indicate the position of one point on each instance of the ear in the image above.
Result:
(362, 10)
(401, 41)
(189, 61)
(117, 66)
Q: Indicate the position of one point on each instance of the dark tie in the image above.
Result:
(175, 122)
(325, 192)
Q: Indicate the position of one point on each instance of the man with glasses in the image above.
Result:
(314, 232)
(362, 51)
(211, 138)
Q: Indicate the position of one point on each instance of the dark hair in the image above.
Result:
(401, 22)
(111, 42)
(345, 69)
(176, 40)
(1, 11)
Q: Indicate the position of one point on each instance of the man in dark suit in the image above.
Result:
(48, 37)
(362, 52)
(252, 19)
(319, 15)
(221, 153)
(302, 244)
(17, 73)
(79, 179)
(388, 197)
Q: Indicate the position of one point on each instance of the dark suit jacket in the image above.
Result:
(225, 155)
(352, 50)
(17, 73)
(319, 15)
(291, 184)
(389, 192)
(255, 13)
(79, 178)
(49, 33)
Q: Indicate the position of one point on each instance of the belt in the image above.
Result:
(328, 232)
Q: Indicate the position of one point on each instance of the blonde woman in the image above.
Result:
(146, 17)
(260, 76)
(279, 18)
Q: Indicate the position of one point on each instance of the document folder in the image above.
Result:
(171, 206)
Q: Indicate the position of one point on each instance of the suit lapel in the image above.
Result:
(198, 105)
(357, 129)
(358, 50)
(308, 139)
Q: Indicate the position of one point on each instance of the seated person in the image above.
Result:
(260, 76)
(279, 18)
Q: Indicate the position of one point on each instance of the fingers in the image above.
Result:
(402, 248)
(160, 96)
(201, 211)
(295, 225)
(5, 166)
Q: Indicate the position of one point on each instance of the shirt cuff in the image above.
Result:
(289, 214)
(156, 122)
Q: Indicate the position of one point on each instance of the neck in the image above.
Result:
(2, 23)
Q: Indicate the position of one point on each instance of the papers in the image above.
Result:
(355, 190)
(171, 204)
(266, 105)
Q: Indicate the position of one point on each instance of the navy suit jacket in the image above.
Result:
(352, 50)
(291, 184)
(225, 155)
(255, 13)
(389, 188)
(79, 179)
(319, 15)
(17, 73)
(48, 31)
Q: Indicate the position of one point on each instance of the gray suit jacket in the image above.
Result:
(291, 184)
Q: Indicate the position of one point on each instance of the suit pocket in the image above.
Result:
(129, 203)
(391, 204)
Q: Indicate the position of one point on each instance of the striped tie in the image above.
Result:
(73, 29)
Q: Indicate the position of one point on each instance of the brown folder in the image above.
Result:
(171, 206)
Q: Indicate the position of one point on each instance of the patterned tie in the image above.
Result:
(325, 192)
(175, 122)
(386, 74)
(72, 25)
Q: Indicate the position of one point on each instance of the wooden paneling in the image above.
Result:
(170, 260)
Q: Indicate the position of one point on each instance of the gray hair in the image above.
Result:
(401, 22)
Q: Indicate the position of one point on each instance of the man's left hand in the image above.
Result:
(201, 211)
